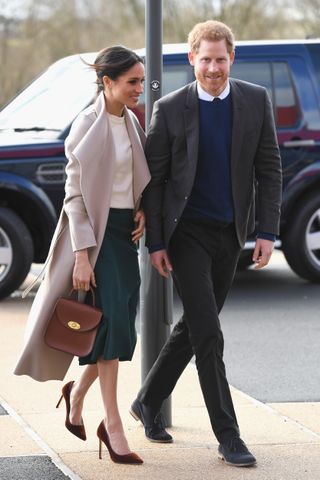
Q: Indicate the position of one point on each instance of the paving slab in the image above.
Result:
(307, 414)
(276, 462)
(14, 440)
(30, 468)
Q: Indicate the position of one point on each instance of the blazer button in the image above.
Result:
(186, 198)
(175, 220)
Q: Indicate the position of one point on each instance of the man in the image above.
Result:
(210, 145)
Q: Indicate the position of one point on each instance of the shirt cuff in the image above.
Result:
(267, 236)
(156, 248)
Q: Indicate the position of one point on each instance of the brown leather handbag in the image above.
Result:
(73, 326)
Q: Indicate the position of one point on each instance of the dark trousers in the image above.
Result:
(204, 256)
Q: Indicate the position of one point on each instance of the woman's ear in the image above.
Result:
(107, 82)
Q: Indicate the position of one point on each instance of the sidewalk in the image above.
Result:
(285, 438)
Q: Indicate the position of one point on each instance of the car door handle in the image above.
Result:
(299, 143)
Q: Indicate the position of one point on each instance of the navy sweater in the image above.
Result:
(211, 196)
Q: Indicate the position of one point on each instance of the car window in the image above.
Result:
(254, 72)
(70, 81)
(315, 58)
(287, 110)
(275, 77)
(41, 105)
(174, 77)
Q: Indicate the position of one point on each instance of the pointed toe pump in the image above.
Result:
(103, 436)
(77, 430)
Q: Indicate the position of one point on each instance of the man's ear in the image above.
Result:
(232, 55)
(191, 58)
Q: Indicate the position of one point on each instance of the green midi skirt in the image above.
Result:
(118, 281)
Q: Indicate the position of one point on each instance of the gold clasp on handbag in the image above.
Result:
(74, 325)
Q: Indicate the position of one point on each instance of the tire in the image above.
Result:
(301, 243)
(245, 260)
(16, 251)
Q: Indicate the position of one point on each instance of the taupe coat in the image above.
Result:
(91, 159)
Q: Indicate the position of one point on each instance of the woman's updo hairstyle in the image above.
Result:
(113, 62)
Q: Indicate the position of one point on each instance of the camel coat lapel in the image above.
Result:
(91, 154)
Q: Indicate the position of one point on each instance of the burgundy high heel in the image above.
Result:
(77, 430)
(115, 457)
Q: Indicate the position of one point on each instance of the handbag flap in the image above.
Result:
(76, 315)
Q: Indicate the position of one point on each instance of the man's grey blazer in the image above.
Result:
(172, 154)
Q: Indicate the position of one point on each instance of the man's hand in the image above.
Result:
(262, 252)
(161, 262)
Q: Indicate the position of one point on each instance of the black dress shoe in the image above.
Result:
(234, 452)
(152, 421)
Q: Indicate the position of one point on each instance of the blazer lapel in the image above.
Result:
(191, 121)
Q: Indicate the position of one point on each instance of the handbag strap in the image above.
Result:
(91, 291)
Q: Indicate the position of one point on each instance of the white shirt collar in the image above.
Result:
(203, 95)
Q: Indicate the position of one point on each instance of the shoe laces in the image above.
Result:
(159, 421)
(237, 445)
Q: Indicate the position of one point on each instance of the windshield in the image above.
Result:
(54, 99)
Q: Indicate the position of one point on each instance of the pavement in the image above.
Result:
(34, 444)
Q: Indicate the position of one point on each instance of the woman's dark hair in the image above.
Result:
(113, 62)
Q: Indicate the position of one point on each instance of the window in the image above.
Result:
(174, 77)
(275, 77)
(254, 72)
(66, 82)
(287, 112)
(313, 49)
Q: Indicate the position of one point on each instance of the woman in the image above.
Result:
(95, 244)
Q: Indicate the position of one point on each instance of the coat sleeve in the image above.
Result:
(158, 154)
(81, 231)
(268, 173)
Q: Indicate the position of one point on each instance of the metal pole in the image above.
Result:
(156, 292)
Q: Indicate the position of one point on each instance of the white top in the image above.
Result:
(122, 192)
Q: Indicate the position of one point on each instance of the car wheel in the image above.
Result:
(16, 251)
(301, 243)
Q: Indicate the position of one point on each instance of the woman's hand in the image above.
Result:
(83, 273)
(140, 221)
